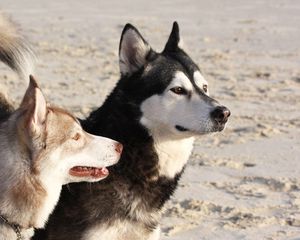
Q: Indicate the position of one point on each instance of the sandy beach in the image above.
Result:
(243, 183)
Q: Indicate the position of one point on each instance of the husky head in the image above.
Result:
(58, 146)
(169, 86)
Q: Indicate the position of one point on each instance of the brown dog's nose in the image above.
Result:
(220, 114)
(119, 148)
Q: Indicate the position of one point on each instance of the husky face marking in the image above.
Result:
(174, 117)
(201, 82)
(183, 108)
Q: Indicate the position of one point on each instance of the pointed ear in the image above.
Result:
(133, 50)
(174, 40)
(34, 103)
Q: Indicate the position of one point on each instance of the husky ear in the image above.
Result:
(133, 50)
(35, 105)
(174, 40)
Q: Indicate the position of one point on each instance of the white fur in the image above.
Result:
(99, 153)
(138, 212)
(168, 109)
(181, 44)
(161, 113)
(173, 152)
(173, 155)
(181, 80)
(52, 182)
(26, 61)
(121, 230)
(200, 81)
(125, 229)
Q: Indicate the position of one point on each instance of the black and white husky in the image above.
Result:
(157, 108)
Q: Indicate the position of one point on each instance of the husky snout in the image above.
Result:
(118, 149)
(220, 116)
(99, 153)
(112, 148)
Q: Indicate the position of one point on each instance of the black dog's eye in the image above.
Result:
(179, 90)
(205, 88)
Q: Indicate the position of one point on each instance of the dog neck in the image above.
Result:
(173, 151)
(24, 198)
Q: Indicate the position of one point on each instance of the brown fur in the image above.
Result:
(29, 194)
(58, 121)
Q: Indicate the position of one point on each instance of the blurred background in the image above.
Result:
(242, 183)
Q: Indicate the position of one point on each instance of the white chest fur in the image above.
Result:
(172, 154)
(52, 185)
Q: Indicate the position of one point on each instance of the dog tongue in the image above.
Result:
(89, 171)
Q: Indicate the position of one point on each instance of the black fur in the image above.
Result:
(136, 176)
(5, 108)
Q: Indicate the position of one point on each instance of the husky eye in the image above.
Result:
(76, 137)
(205, 88)
(179, 90)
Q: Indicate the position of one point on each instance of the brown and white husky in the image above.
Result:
(41, 148)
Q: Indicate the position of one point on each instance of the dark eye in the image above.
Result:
(179, 90)
(205, 88)
(76, 137)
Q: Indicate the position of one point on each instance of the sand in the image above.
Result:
(242, 183)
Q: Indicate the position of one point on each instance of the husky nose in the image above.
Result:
(119, 148)
(220, 114)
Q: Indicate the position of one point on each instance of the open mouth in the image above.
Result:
(79, 171)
